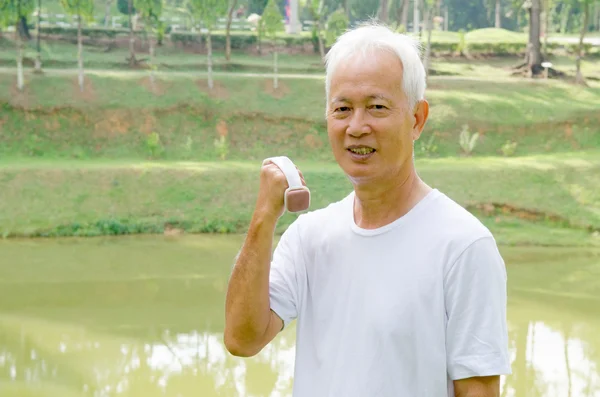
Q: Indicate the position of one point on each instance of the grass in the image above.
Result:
(115, 116)
(80, 164)
(96, 198)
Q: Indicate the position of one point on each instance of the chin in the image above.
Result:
(359, 174)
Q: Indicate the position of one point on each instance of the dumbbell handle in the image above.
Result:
(297, 196)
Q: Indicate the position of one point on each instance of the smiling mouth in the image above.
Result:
(361, 150)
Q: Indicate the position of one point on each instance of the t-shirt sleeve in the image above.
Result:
(283, 277)
(475, 295)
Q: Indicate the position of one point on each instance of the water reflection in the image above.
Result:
(110, 332)
(54, 356)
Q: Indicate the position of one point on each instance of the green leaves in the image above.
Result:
(85, 8)
(12, 10)
(209, 11)
(336, 25)
(272, 19)
(150, 10)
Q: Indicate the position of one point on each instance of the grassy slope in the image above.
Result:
(112, 189)
(119, 197)
(113, 119)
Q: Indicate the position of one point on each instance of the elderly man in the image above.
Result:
(397, 290)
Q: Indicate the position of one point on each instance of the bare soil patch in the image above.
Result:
(218, 91)
(281, 91)
(88, 93)
(20, 99)
(159, 87)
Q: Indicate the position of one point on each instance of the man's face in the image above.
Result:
(370, 126)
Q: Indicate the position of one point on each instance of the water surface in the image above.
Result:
(143, 316)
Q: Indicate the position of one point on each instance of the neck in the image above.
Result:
(379, 203)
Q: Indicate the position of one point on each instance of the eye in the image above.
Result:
(379, 107)
(342, 109)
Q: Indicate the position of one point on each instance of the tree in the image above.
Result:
(384, 9)
(337, 23)
(580, 50)
(232, 5)
(150, 12)
(404, 16)
(81, 9)
(318, 10)
(533, 57)
(38, 58)
(416, 16)
(126, 7)
(12, 13)
(498, 14)
(430, 7)
(107, 12)
(209, 11)
(273, 23)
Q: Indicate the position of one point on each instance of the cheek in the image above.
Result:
(335, 130)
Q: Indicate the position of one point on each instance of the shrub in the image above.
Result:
(468, 141)
(509, 148)
(154, 145)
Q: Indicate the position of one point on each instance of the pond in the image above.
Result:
(143, 316)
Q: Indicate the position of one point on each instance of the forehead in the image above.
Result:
(376, 73)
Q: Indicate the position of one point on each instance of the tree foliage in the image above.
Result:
(11, 11)
(272, 19)
(149, 10)
(336, 25)
(83, 8)
(209, 11)
(123, 7)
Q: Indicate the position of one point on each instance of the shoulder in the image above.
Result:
(321, 219)
(456, 229)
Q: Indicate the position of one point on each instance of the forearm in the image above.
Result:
(247, 307)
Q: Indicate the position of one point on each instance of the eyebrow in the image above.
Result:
(374, 96)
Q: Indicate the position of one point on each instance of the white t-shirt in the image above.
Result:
(399, 311)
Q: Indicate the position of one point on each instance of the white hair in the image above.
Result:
(365, 40)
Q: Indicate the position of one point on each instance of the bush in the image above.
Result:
(509, 148)
(467, 141)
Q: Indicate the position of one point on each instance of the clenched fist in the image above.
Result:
(273, 186)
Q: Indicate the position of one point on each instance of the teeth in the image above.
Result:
(362, 150)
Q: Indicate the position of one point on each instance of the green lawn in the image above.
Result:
(114, 197)
(113, 118)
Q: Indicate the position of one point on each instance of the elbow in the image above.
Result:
(239, 349)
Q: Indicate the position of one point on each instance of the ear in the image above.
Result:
(421, 114)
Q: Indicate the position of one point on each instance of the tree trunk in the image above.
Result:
(384, 11)
(20, 77)
(38, 58)
(107, 13)
(404, 17)
(346, 7)
(209, 59)
(228, 30)
(498, 23)
(534, 53)
(132, 60)
(579, 79)
(429, 19)
(416, 16)
(79, 52)
(320, 38)
(151, 50)
(275, 80)
(565, 16)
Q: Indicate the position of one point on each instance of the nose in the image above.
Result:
(358, 125)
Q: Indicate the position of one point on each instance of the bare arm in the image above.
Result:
(485, 386)
(250, 324)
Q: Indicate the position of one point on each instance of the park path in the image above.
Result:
(195, 75)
